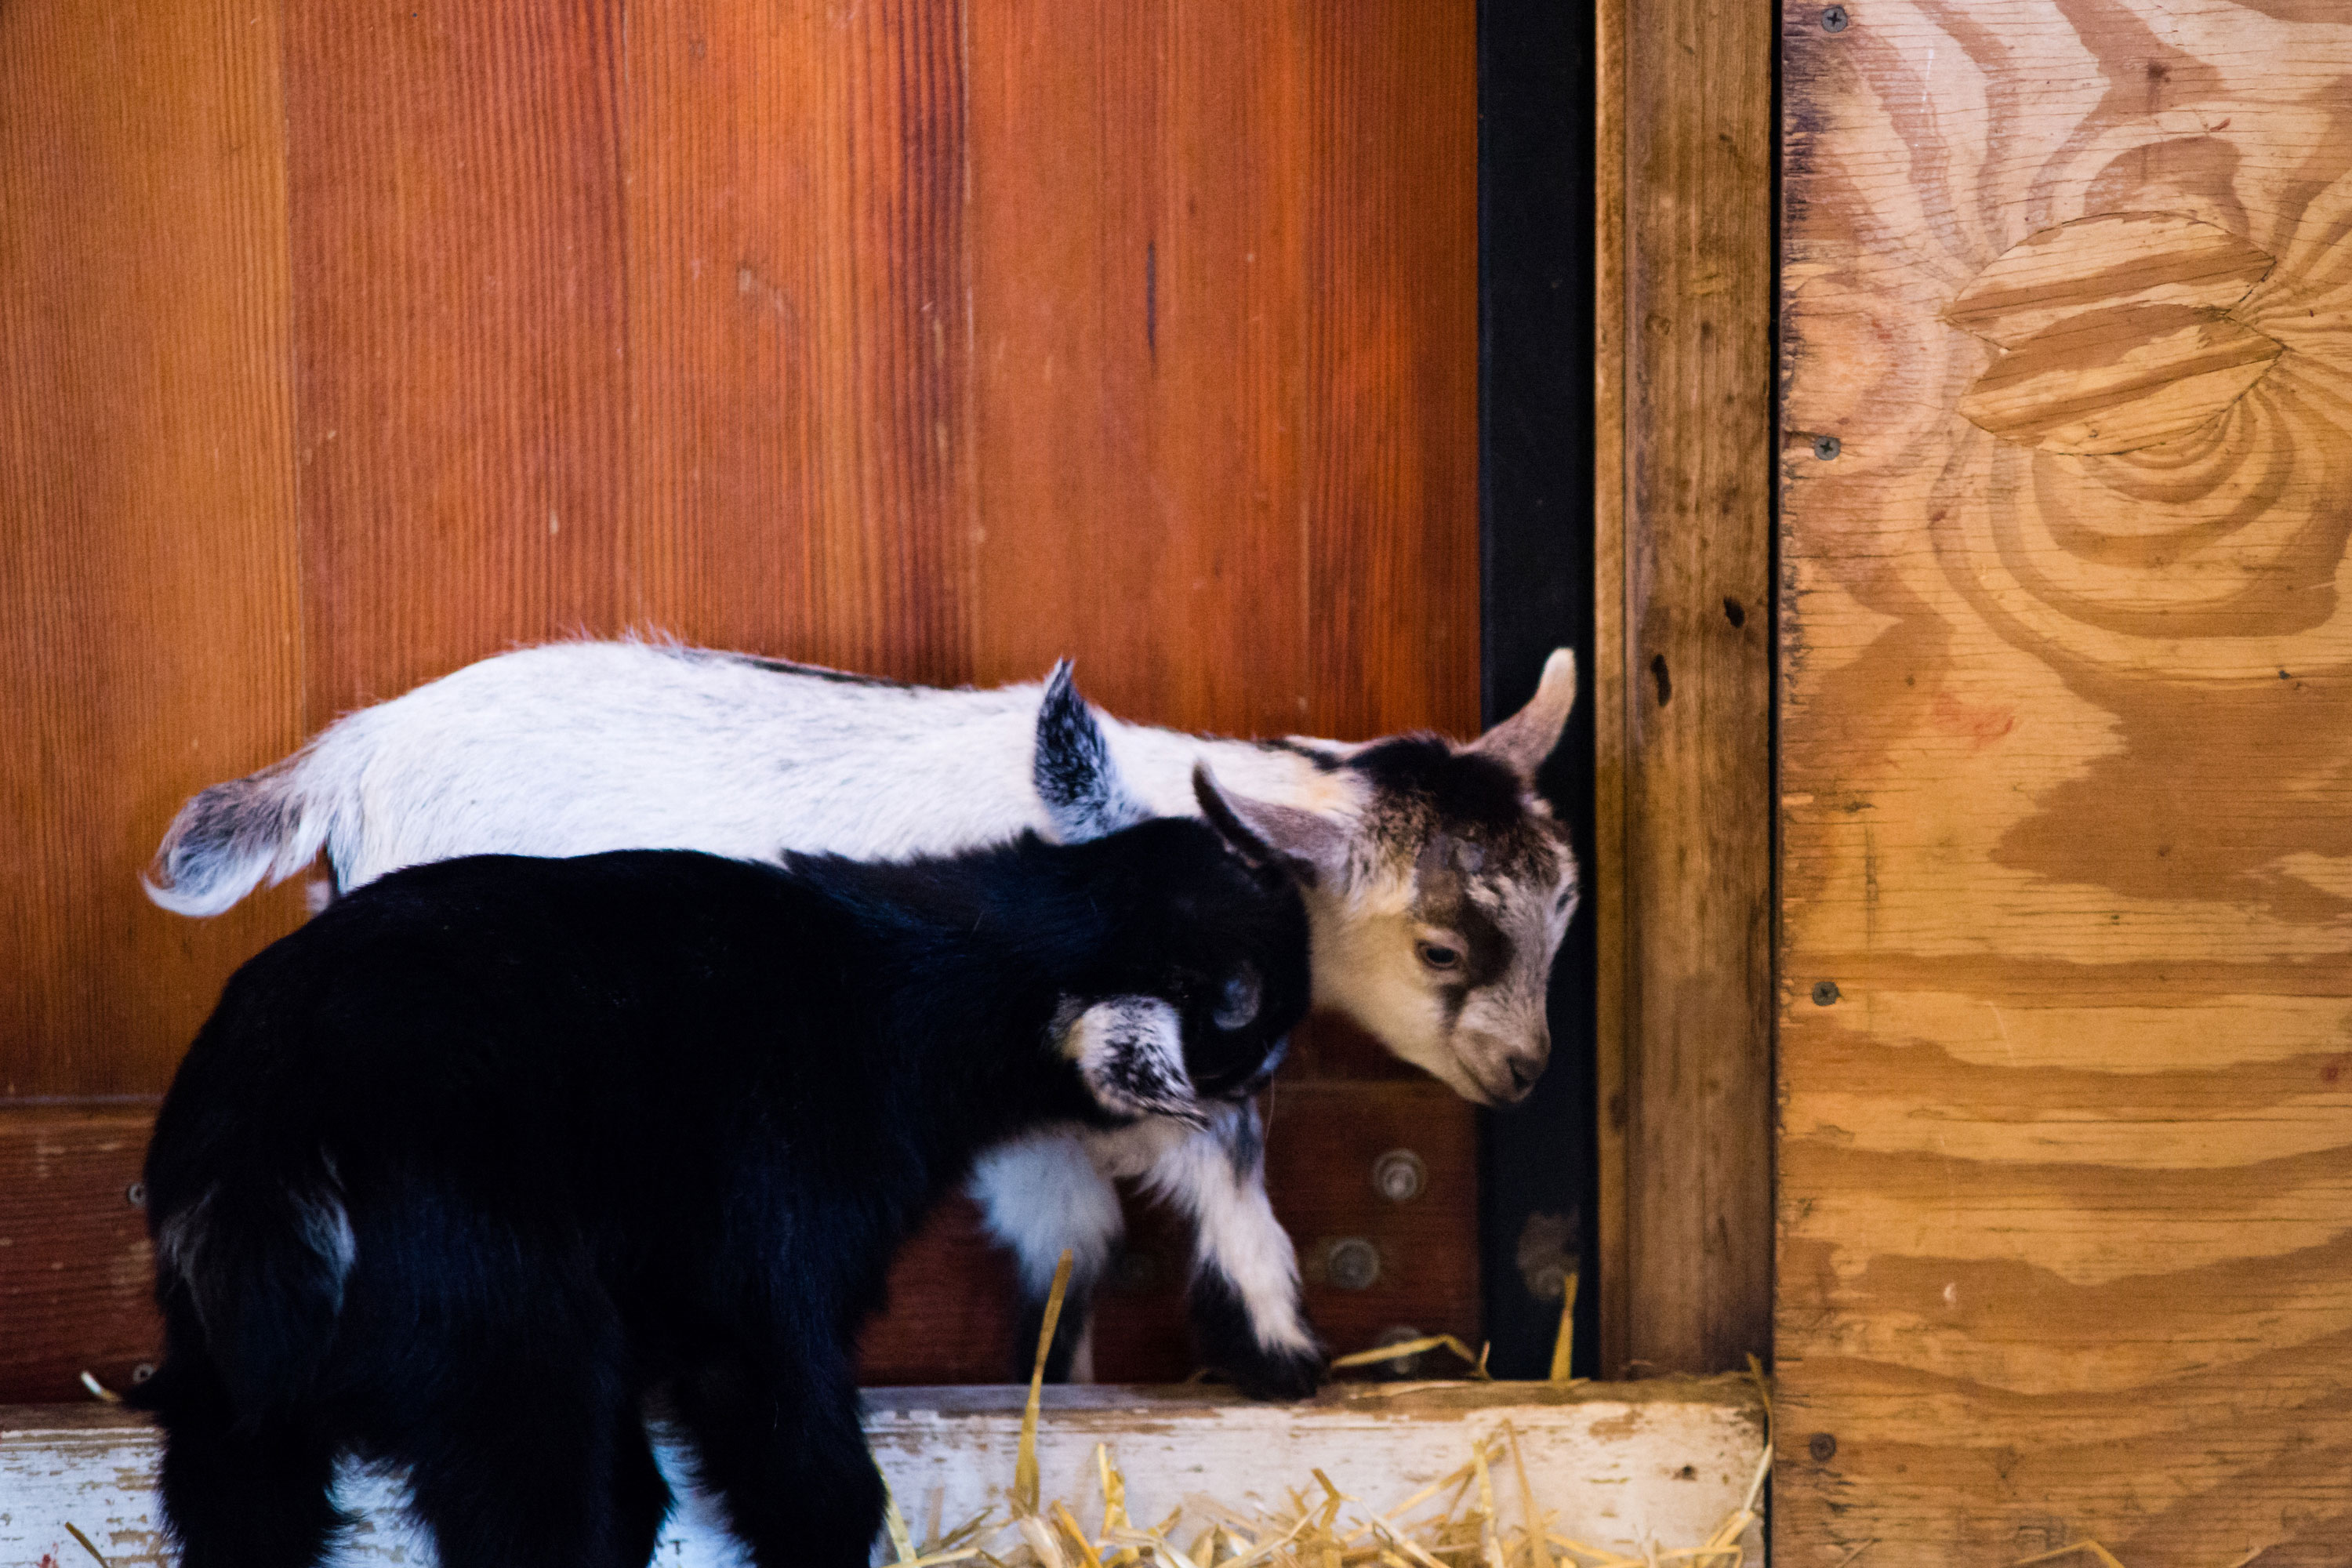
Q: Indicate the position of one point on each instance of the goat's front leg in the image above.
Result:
(1246, 1300)
(1043, 1195)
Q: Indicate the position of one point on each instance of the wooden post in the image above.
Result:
(1682, 513)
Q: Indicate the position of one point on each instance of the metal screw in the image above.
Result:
(135, 1195)
(1353, 1263)
(143, 1372)
(1833, 19)
(1822, 1446)
(1549, 1283)
(1825, 993)
(1400, 1176)
(1825, 447)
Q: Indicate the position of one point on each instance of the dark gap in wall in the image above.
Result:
(1539, 1162)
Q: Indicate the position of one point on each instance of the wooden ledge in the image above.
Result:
(1626, 1466)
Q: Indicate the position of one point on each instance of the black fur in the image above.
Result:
(637, 1124)
(1467, 791)
(1072, 769)
(1220, 1324)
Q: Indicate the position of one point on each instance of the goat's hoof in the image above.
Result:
(1283, 1375)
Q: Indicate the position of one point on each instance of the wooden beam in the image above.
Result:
(1662, 1464)
(1683, 511)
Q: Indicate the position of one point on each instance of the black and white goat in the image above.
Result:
(1437, 884)
(463, 1170)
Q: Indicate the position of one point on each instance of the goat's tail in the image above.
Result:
(228, 838)
(250, 1277)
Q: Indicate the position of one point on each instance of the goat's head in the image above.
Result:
(1438, 911)
(1201, 971)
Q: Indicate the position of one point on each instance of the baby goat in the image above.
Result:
(462, 1171)
(1437, 883)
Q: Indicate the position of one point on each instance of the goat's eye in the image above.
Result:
(1236, 1001)
(1439, 955)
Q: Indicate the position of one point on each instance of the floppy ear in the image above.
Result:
(1084, 797)
(1130, 1053)
(1523, 741)
(1311, 848)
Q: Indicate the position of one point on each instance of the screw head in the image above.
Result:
(1822, 1446)
(143, 1372)
(1353, 1264)
(135, 1195)
(1833, 19)
(1825, 993)
(1400, 1176)
(1826, 448)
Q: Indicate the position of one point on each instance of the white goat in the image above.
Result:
(1437, 884)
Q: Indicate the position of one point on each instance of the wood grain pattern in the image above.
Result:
(1685, 749)
(147, 569)
(76, 1274)
(455, 212)
(797, 332)
(1226, 388)
(2066, 1172)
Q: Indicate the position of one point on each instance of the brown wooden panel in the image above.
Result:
(1389, 490)
(1137, 175)
(1685, 721)
(457, 239)
(798, 332)
(2066, 1175)
(75, 1270)
(147, 566)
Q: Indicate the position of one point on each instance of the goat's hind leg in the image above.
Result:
(250, 1495)
(536, 1456)
(779, 1447)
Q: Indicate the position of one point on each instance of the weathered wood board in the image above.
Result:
(1628, 1467)
(2065, 1175)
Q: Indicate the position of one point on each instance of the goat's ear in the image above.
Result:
(1130, 1053)
(1312, 848)
(1523, 741)
(1084, 797)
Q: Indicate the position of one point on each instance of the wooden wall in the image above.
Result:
(339, 347)
(2065, 1185)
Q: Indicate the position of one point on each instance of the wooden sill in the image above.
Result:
(1626, 1466)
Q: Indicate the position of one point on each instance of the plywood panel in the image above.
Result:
(2066, 1172)
(798, 332)
(1683, 524)
(457, 264)
(147, 568)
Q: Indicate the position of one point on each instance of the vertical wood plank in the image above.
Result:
(148, 594)
(1613, 925)
(457, 264)
(1391, 421)
(1138, 178)
(798, 332)
(2066, 1219)
(1692, 687)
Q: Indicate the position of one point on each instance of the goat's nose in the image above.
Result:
(1527, 1064)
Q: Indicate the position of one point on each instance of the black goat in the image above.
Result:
(461, 1172)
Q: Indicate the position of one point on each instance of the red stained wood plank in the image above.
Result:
(147, 564)
(797, 332)
(454, 184)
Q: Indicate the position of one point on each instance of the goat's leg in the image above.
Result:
(1043, 1195)
(532, 1452)
(779, 1446)
(236, 1495)
(1245, 1302)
